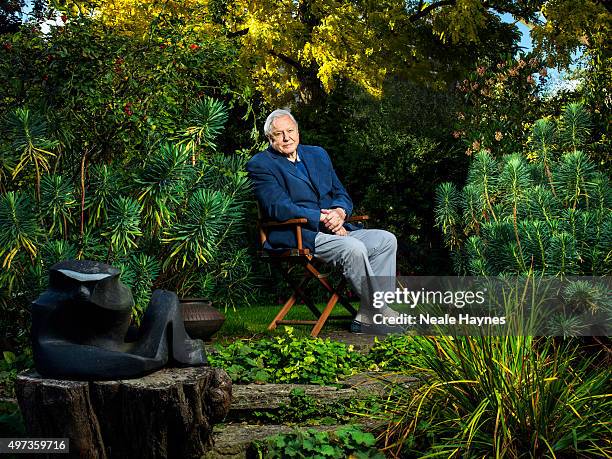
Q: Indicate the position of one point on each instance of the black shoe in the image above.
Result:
(376, 329)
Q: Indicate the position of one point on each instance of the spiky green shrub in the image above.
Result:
(173, 220)
(205, 121)
(139, 271)
(26, 131)
(162, 184)
(546, 211)
(104, 184)
(20, 230)
(57, 203)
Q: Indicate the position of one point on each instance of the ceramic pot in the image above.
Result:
(201, 319)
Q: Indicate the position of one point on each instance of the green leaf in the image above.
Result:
(9, 357)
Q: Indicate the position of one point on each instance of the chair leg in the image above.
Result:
(332, 301)
(298, 289)
(344, 300)
(283, 312)
(290, 302)
(298, 292)
(326, 312)
(332, 290)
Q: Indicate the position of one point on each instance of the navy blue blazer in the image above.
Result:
(284, 194)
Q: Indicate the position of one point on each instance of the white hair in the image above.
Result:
(272, 116)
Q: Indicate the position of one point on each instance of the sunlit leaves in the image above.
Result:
(569, 24)
(27, 132)
(136, 18)
(461, 21)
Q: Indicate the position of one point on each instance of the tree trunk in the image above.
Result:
(169, 413)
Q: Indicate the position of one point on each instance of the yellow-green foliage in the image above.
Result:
(296, 48)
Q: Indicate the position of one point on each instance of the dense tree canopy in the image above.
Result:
(301, 48)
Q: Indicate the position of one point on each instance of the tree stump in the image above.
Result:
(169, 413)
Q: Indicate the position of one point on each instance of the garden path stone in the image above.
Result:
(272, 396)
(233, 441)
(375, 383)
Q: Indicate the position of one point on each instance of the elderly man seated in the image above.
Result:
(292, 180)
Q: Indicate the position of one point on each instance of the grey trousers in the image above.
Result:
(363, 255)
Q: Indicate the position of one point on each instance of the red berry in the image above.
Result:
(64, 18)
(193, 46)
(8, 46)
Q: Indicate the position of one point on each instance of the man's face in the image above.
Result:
(284, 137)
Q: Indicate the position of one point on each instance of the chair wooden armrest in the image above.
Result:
(296, 222)
(293, 221)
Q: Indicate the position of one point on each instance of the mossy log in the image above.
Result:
(169, 413)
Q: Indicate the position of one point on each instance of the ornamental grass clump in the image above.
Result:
(502, 397)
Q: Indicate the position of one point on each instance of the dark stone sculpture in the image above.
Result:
(80, 324)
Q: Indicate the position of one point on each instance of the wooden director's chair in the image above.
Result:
(287, 260)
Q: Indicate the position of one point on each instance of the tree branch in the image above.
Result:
(425, 11)
(486, 5)
(238, 33)
(287, 60)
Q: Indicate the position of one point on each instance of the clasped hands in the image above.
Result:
(333, 220)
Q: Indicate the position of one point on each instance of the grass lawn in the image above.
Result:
(252, 322)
